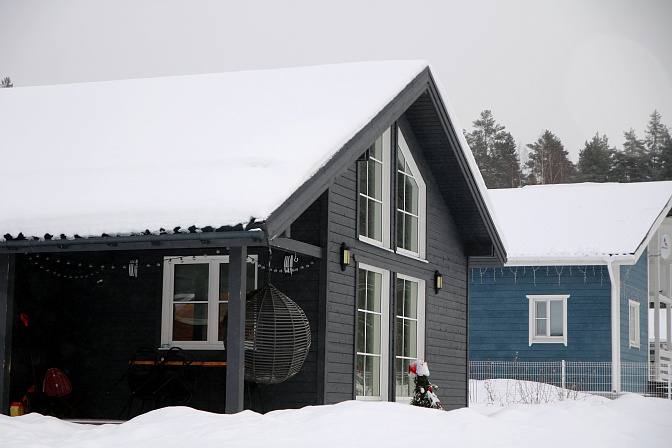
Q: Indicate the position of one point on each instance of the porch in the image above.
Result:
(88, 311)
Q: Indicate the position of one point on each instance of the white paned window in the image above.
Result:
(371, 370)
(374, 193)
(548, 319)
(196, 300)
(410, 332)
(633, 318)
(411, 202)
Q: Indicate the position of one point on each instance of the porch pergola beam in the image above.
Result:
(290, 245)
(233, 238)
(235, 334)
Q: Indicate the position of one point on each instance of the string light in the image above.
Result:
(64, 267)
(560, 271)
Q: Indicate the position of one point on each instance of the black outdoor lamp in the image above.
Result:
(345, 256)
(438, 281)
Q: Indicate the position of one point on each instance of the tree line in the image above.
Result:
(504, 165)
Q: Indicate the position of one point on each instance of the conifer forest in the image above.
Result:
(506, 164)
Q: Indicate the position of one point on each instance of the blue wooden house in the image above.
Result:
(138, 214)
(584, 265)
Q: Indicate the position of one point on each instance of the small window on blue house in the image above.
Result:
(548, 319)
(633, 317)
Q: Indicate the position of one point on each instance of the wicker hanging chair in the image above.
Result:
(277, 337)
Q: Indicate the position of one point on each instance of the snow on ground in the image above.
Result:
(629, 421)
(495, 393)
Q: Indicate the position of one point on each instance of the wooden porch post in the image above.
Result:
(6, 316)
(235, 335)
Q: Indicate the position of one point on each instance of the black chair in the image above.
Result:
(143, 379)
(176, 382)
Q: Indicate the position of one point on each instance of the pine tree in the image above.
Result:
(495, 152)
(6, 83)
(595, 160)
(656, 139)
(666, 161)
(548, 162)
(633, 164)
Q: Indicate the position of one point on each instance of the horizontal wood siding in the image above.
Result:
(499, 313)
(634, 286)
(88, 327)
(446, 312)
(303, 288)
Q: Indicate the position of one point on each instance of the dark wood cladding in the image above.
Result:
(446, 312)
(452, 181)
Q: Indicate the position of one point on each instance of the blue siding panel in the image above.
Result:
(634, 286)
(499, 312)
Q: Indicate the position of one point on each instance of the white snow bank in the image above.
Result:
(121, 157)
(626, 422)
(546, 224)
(495, 393)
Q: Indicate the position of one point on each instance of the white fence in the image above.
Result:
(565, 379)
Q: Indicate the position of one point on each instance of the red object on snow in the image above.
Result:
(56, 384)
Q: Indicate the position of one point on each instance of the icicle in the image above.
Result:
(562, 268)
(515, 275)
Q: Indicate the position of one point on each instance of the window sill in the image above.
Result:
(401, 252)
(412, 256)
(368, 398)
(376, 243)
(549, 341)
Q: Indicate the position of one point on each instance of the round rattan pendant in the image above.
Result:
(277, 337)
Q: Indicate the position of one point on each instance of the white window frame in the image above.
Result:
(547, 339)
(384, 330)
(420, 349)
(386, 196)
(633, 308)
(214, 262)
(422, 199)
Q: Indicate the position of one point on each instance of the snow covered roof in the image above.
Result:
(588, 223)
(123, 157)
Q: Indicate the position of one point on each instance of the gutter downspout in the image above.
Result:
(615, 277)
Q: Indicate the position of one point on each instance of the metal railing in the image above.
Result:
(536, 382)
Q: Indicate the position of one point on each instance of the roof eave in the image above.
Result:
(626, 259)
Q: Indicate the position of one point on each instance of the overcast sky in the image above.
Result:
(573, 67)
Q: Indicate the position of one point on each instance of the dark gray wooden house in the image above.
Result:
(139, 213)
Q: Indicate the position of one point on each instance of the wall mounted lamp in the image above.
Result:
(438, 281)
(345, 256)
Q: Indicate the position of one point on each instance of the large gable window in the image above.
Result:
(196, 300)
(374, 196)
(548, 319)
(409, 331)
(372, 333)
(411, 202)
